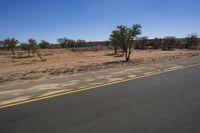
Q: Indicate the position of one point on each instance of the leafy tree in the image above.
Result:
(11, 43)
(34, 46)
(157, 42)
(80, 43)
(125, 37)
(114, 41)
(62, 42)
(27, 47)
(179, 44)
(71, 43)
(169, 43)
(44, 44)
(192, 41)
(143, 42)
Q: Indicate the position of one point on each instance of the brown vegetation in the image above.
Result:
(61, 61)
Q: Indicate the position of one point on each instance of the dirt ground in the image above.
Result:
(61, 61)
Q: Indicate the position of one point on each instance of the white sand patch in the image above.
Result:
(132, 76)
(35, 89)
(127, 70)
(114, 79)
(89, 79)
(54, 92)
(22, 98)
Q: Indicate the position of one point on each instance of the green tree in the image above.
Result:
(156, 43)
(62, 42)
(34, 46)
(169, 43)
(26, 47)
(143, 42)
(11, 43)
(125, 37)
(192, 41)
(44, 44)
(114, 41)
(81, 43)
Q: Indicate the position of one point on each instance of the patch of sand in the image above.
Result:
(61, 61)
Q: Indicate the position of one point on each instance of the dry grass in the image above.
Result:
(61, 61)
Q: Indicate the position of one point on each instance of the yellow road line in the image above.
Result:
(93, 87)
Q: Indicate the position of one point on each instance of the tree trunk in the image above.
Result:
(127, 56)
(13, 53)
(39, 55)
(29, 53)
(115, 49)
(33, 53)
(129, 51)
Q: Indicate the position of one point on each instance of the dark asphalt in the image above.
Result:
(166, 103)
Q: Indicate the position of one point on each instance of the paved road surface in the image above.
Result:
(166, 103)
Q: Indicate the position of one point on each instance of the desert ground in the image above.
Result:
(65, 70)
(63, 61)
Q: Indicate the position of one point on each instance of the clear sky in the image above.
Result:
(93, 20)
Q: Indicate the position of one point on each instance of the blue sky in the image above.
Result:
(93, 20)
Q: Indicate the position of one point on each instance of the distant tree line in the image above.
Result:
(168, 43)
(69, 43)
(12, 43)
(122, 38)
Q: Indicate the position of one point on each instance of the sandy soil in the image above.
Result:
(61, 61)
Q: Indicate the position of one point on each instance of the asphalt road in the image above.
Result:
(165, 103)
